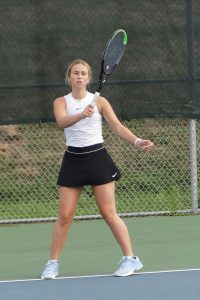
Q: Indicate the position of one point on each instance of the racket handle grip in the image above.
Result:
(94, 100)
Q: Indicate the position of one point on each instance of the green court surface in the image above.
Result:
(162, 243)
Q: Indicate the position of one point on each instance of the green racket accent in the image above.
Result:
(124, 33)
(125, 38)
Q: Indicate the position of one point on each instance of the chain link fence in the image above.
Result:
(151, 183)
(158, 77)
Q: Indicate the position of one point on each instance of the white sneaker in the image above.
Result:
(51, 270)
(128, 265)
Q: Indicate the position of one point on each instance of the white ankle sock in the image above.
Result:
(52, 261)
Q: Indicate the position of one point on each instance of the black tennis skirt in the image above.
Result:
(90, 165)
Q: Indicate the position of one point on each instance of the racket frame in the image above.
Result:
(102, 80)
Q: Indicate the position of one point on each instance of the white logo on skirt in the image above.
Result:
(114, 175)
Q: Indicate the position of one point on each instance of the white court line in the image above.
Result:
(93, 276)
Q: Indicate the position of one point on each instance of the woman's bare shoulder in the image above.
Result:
(59, 100)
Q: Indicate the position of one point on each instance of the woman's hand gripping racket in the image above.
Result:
(112, 55)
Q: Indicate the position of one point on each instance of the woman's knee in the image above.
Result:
(109, 217)
(65, 218)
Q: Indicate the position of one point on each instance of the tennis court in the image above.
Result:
(168, 247)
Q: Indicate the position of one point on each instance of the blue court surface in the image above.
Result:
(166, 285)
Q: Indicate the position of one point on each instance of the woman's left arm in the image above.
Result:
(122, 131)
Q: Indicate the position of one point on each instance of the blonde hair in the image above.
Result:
(76, 62)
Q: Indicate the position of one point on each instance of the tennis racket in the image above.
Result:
(111, 57)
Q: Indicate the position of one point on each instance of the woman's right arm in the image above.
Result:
(64, 120)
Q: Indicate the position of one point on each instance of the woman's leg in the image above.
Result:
(105, 199)
(68, 199)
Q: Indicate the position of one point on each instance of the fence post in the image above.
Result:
(192, 96)
(193, 165)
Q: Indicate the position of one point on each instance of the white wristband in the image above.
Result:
(137, 140)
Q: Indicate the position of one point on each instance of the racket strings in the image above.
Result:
(114, 52)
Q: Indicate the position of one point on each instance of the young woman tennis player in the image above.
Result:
(87, 162)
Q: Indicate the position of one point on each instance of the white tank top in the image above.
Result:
(87, 131)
